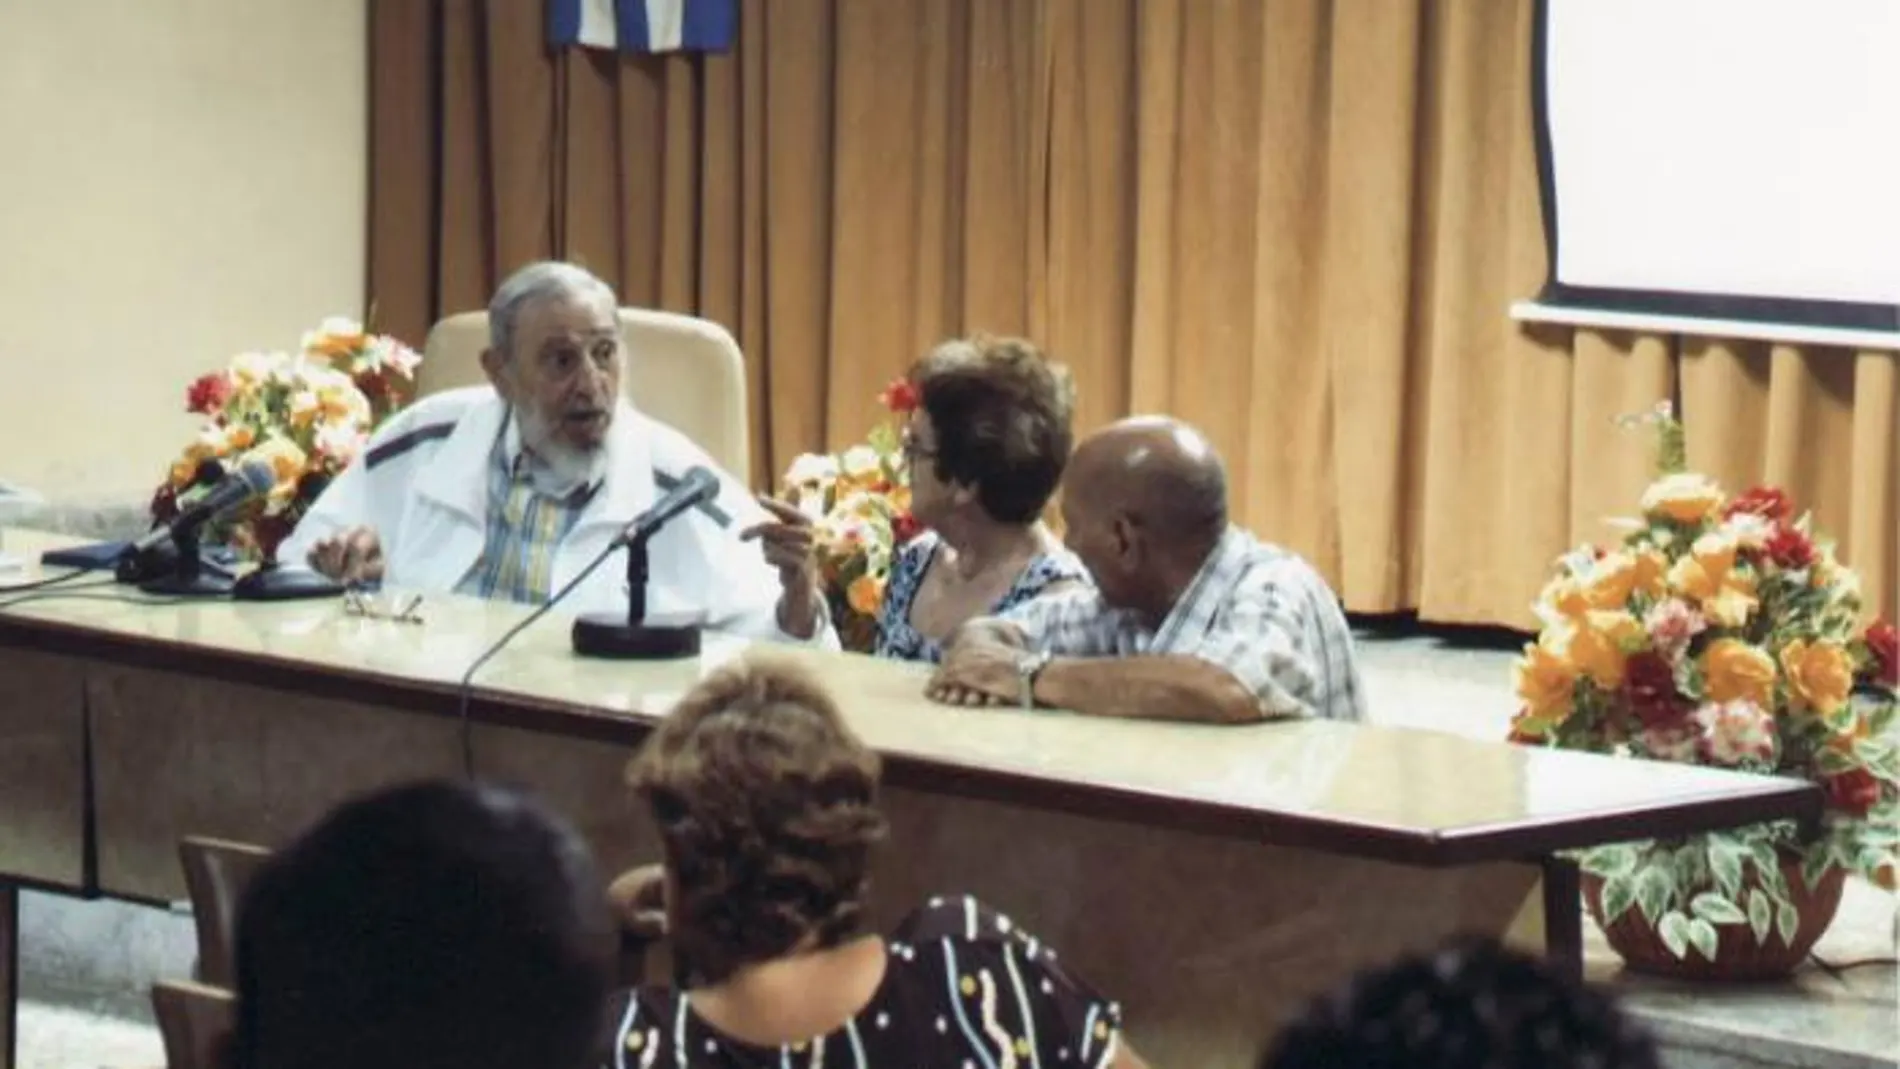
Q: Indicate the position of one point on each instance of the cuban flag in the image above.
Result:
(644, 25)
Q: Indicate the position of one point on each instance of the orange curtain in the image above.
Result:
(1297, 223)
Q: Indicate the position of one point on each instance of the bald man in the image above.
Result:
(1191, 618)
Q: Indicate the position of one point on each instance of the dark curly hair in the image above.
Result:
(1472, 1005)
(767, 808)
(431, 925)
(1002, 412)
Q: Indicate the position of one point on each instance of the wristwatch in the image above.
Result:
(1028, 666)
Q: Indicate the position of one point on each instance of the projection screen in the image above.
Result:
(1722, 159)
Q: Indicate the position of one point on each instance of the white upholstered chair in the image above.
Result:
(681, 370)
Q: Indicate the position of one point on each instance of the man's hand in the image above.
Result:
(787, 542)
(351, 556)
(977, 670)
(638, 898)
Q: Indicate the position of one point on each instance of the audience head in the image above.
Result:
(555, 355)
(435, 925)
(766, 805)
(1146, 503)
(1472, 1005)
(990, 435)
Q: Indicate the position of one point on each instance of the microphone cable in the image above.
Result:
(465, 690)
(42, 583)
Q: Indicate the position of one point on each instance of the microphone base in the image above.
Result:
(610, 636)
(202, 585)
(271, 583)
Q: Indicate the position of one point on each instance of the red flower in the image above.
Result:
(900, 396)
(206, 396)
(1764, 501)
(164, 504)
(1883, 647)
(1853, 792)
(1790, 548)
(1649, 691)
(905, 527)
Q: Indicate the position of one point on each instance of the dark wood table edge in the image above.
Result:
(1467, 846)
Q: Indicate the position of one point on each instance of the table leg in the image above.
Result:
(1563, 915)
(9, 973)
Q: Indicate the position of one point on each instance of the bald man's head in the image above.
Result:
(1145, 501)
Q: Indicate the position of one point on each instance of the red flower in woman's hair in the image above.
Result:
(905, 527)
(1790, 548)
(1764, 501)
(207, 394)
(1884, 646)
(1853, 792)
(900, 396)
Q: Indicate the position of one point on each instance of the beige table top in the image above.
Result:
(1402, 794)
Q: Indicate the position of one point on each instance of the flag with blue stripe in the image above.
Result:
(644, 25)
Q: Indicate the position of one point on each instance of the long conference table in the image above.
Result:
(1209, 878)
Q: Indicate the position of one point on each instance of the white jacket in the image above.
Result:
(422, 484)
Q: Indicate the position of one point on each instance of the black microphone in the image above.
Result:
(254, 479)
(696, 487)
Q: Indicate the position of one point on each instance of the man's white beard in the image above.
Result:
(558, 469)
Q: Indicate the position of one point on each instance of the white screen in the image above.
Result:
(1746, 148)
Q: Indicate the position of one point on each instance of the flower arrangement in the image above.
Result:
(859, 502)
(307, 414)
(1721, 632)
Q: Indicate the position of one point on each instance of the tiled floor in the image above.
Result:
(85, 965)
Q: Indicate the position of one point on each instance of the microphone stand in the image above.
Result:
(628, 638)
(188, 578)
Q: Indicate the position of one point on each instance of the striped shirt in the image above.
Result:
(525, 527)
(1255, 609)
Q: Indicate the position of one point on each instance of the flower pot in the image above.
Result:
(1738, 957)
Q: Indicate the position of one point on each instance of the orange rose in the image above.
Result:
(1545, 682)
(1685, 497)
(1819, 675)
(864, 595)
(1709, 578)
(1733, 670)
(1622, 574)
(1600, 648)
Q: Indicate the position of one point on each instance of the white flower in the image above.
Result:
(812, 470)
(1748, 529)
(861, 461)
(1671, 624)
(339, 441)
(252, 369)
(1736, 731)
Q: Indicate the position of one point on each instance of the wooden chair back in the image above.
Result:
(195, 1021)
(216, 873)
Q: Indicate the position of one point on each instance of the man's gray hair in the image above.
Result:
(536, 282)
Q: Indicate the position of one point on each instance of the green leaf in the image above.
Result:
(1619, 894)
(1610, 862)
(1815, 866)
(1716, 909)
(1760, 914)
(1726, 859)
(1674, 930)
(1787, 922)
(1702, 936)
(1654, 890)
(1763, 855)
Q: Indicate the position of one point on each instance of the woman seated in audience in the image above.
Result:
(986, 445)
(1472, 1005)
(767, 812)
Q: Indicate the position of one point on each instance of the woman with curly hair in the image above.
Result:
(986, 445)
(767, 811)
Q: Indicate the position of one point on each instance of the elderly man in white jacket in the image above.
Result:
(509, 490)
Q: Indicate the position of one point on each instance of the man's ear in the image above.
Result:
(1127, 534)
(493, 364)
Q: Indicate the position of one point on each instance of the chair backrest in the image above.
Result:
(216, 873)
(684, 371)
(194, 1021)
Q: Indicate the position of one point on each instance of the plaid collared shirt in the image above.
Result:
(1254, 609)
(526, 526)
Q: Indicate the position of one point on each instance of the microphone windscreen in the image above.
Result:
(258, 476)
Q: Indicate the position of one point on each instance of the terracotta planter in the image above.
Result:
(1738, 956)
